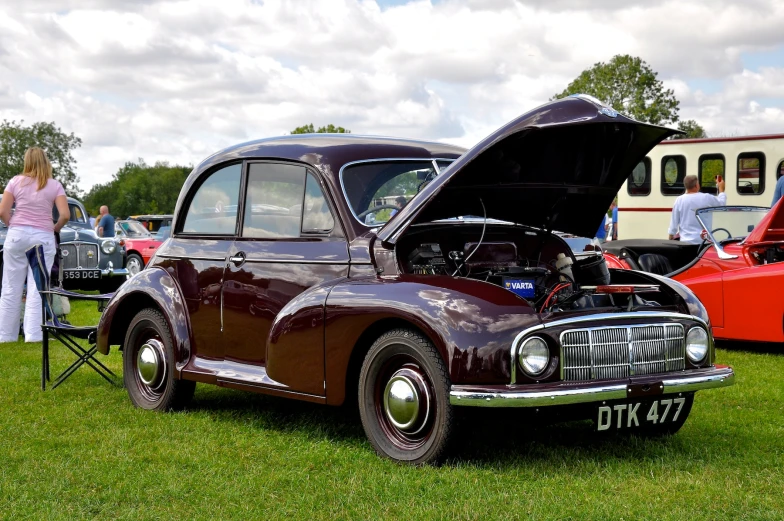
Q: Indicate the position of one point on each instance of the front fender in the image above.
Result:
(152, 287)
(472, 324)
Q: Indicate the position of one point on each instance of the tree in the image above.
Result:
(15, 139)
(138, 188)
(329, 129)
(693, 130)
(628, 85)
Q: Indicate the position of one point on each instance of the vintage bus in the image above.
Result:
(751, 165)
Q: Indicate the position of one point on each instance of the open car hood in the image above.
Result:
(557, 167)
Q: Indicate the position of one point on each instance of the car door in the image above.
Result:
(197, 254)
(289, 242)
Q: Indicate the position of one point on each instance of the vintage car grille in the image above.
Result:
(618, 352)
(76, 254)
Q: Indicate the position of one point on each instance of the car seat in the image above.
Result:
(654, 263)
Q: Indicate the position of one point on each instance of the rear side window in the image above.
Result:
(751, 173)
(316, 216)
(673, 170)
(273, 202)
(213, 207)
(710, 166)
(639, 182)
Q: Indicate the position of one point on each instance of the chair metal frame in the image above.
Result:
(53, 328)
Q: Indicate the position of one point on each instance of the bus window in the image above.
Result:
(673, 171)
(750, 165)
(710, 165)
(639, 182)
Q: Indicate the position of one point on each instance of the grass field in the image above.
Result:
(83, 452)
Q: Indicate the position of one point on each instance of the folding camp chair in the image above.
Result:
(67, 334)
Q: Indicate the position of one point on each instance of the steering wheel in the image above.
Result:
(377, 208)
(725, 230)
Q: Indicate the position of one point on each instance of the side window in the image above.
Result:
(710, 166)
(76, 214)
(673, 170)
(639, 182)
(316, 217)
(751, 173)
(273, 201)
(213, 208)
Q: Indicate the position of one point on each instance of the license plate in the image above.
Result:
(82, 274)
(639, 414)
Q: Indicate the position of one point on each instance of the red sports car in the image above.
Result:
(139, 244)
(736, 272)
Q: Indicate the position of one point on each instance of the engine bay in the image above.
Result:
(537, 266)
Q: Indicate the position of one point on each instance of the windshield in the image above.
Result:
(730, 222)
(134, 229)
(377, 190)
(163, 233)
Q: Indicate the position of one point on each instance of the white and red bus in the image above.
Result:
(751, 165)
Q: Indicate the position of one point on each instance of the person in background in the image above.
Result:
(778, 192)
(601, 233)
(34, 193)
(684, 212)
(400, 202)
(91, 220)
(105, 223)
(614, 208)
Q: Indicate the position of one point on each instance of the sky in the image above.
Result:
(178, 80)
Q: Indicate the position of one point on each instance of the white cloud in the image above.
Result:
(177, 80)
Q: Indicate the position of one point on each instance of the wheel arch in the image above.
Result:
(151, 288)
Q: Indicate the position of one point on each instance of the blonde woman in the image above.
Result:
(33, 194)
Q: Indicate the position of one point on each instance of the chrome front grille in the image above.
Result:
(79, 255)
(621, 351)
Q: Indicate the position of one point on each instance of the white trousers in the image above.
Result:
(15, 270)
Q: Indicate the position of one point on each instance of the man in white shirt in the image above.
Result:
(684, 213)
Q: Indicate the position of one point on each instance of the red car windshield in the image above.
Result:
(134, 229)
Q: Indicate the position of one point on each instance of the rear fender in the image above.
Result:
(152, 287)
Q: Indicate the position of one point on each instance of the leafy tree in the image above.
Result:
(16, 138)
(692, 128)
(138, 188)
(329, 129)
(628, 85)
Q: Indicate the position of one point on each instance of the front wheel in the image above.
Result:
(134, 264)
(148, 365)
(404, 398)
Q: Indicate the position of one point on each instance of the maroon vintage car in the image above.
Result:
(283, 276)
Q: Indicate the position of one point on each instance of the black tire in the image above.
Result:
(405, 359)
(162, 391)
(668, 429)
(134, 263)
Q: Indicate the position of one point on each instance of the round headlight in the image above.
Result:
(108, 247)
(534, 356)
(697, 344)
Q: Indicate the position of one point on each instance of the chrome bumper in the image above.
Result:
(541, 395)
(114, 272)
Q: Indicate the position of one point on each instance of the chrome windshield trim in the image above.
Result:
(719, 250)
(463, 395)
(599, 317)
(432, 160)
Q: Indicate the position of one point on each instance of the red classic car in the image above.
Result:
(287, 273)
(140, 244)
(736, 272)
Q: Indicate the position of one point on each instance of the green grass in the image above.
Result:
(83, 452)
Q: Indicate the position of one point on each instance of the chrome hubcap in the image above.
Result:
(407, 401)
(133, 266)
(151, 363)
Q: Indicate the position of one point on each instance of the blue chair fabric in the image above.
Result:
(66, 334)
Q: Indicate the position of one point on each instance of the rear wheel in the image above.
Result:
(404, 398)
(148, 365)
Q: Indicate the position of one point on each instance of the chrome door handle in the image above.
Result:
(238, 259)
